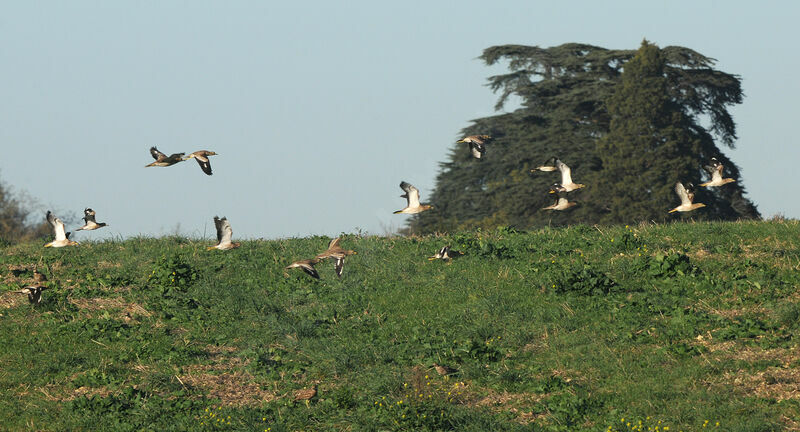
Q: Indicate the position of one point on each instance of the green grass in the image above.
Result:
(681, 326)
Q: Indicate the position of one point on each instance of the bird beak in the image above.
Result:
(552, 191)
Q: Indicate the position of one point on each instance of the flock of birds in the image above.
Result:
(477, 146)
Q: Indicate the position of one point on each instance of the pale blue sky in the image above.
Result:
(319, 109)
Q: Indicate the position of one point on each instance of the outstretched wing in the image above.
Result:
(218, 226)
(339, 266)
(205, 164)
(412, 194)
(566, 172)
(58, 226)
(310, 270)
(88, 215)
(682, 194)
(157, 155)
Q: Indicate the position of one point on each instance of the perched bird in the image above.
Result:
(61, 237)
(90, 223)
(163, 160)
(307, 266)
(336, 252)
(562, 203)
(412, 195)
(34, 293)
(444, 370)
(566, 177)
(201, 156)
(305, 395)
(445, 253)
(476, 144)
(224, 234)
(714, 168)
(548, 165)
(686, 195)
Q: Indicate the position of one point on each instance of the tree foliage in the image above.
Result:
(15, 217)
(616, 117)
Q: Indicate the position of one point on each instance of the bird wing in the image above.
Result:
(334, 243)
(339, 266)
(175, 157)
(88, 215)
(225, 232)
(58, 226)
(412, 194)
(157, 155)
(566, 172)
(477, 149)
(562, 201)
(218, 226)
(309, 269)
(682, 194)
(204, 163)
(716, 175)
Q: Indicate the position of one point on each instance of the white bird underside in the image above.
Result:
(715, 169)
(61, 236)
(561, 204)
(566, 177)
(224, 235)
(412, 196)
(686, 200)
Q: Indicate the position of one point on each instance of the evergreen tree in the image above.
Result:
(615, 117)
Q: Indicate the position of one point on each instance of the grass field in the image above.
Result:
(686, 326)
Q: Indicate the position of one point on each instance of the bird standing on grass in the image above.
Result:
(714, 168)
(476, 144)
(412, 195)
(686, 194)
(61, 236)
(90, 223)
(201, 156)
(163, 160)
(224, 234)
(305, 395)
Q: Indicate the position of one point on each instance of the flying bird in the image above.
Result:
(224, 234)
(445, 253)
(562, 203)
(548, 165)
(714, 168)
(61, 237)
(686, 194)
(307, 266)
(163, 160)
(412, 195)
(201, 156)
(566, 177)
(476, 144)
(338, 253)
(34, 293)
(90, 223)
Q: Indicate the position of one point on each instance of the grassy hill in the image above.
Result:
(672, 327)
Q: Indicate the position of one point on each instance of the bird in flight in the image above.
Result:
(61, 236)
(476, 144)
(201, 156)
(412, 195)
(163, 160)
(224, 234)
(548, 165)
(90, 223)
(562, 203)
(714, 168)
(337, 253)
(686, 194)
(307, 266)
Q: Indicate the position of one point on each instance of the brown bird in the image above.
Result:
(476, 144)
(89, 221)
(201, 156)
(61, 236)
(686, 194)
(305, 395)
(336, 252)
(714, 168)
(548, 165)
(307, 266)
(34, 293)
(39, 278)
(562, 203)
(412, 195)
(163, 160)
(224, 234)
(444, 370)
